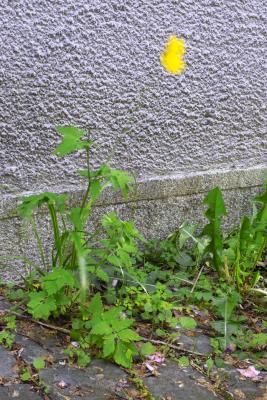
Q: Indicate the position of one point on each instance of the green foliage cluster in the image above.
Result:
(7, 335)
(153, 284)
(155, 306)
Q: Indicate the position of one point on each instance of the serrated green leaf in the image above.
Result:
(102, 328)
(102, 275)
(58, 279)
(109, 346)
(123, 355)
(128, 335)
(41, 306)
(121, 324)
(95, 307)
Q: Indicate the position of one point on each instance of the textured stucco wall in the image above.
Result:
(95, 64)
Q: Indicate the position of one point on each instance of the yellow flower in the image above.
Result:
(172, 57)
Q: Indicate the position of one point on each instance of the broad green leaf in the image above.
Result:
(123, 355)
(58, 279)
(219, 362)
(209, 364)
(30, 203)
(71, 140)
(186, 231)
(113, 314)
(102, 328)
(109, 346)
(38, 363)
(225, 305)
(83, 359)
(258, 339)
(41, 306)
(75, 217)
(26, 375)
(147, 349)
(120, 324)
(95, 307)
(183, 361)
(187, 322)
(95, 189)
(128, 335)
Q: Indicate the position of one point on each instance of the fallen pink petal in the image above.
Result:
(250, 372)
(149, 367)
(157, 358)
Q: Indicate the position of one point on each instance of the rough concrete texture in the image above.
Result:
(86, 63)
(96, 65)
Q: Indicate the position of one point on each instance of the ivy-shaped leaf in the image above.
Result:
(71, 140)
(30, 203)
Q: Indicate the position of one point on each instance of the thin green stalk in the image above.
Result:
(39, 243)
(225, 325)
(84, 200)
(55, 230)
(85, 197)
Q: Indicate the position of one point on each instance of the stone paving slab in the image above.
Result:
(18, 392)
(7, 365)
(102, 380)
(244, 389)
(31, 349)
(199, 343)
(99, 381)
(176, 383)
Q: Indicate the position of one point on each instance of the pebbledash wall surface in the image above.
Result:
(95, 64)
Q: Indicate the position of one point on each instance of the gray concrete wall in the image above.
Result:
(95, 64)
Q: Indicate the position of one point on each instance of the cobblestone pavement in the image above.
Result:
(102, 380)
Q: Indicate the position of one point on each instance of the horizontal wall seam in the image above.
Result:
(157, 188)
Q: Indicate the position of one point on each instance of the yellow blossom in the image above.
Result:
(172, 57)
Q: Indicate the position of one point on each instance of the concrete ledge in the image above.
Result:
(158, 187)
(158, 206)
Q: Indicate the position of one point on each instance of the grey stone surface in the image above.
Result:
(7, 364)
(252, 390)
(199, 343)
(103, 380)
(31, 349)
(18, 392)
(179, 384)
(4, 305)
(98, 381)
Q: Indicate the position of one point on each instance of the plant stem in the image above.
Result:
(39, 243)
(55, 230)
